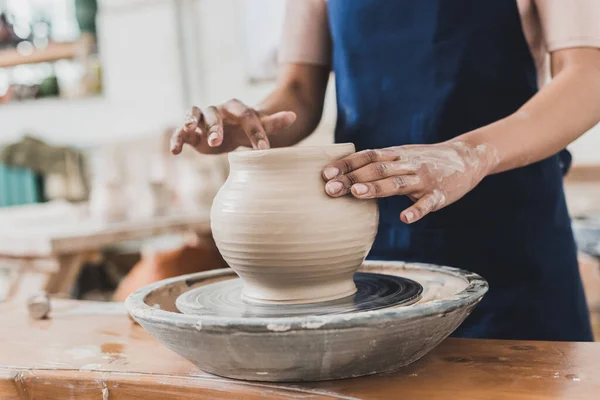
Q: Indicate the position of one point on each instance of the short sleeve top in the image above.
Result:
(548, 25)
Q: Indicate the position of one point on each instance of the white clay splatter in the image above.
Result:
(313, 325)
(90, 367)
(79, 353)
(105, 393)
(262, 373)
(198, 326)
(442, 162)
(278, 328)
(439, 198)
(143, 312)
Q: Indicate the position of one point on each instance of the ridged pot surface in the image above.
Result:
(282, 234)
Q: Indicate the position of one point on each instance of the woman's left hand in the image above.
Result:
(433, 176)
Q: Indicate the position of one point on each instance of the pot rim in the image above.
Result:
(299, 151)
(472, 294)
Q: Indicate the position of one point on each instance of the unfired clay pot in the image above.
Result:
(282, 234)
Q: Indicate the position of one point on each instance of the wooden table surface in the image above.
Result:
(91, 350)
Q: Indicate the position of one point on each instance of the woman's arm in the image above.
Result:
(301, 89)
(557, 115)
(289, 114)
(437, 175)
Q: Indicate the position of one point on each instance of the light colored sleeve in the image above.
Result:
(306, 38)
(570, 23)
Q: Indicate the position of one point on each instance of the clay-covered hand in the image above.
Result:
(224, 128)
(433, 176)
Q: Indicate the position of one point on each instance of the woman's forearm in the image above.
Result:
(301, 89)
(561, 112)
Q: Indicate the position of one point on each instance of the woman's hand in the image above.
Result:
(224, 128)
(433, 176)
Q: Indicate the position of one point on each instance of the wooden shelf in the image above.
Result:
(54, 52)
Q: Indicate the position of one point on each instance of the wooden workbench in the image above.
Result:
(93, 351)
(47, 244)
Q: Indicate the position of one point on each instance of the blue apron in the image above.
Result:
(424, 71)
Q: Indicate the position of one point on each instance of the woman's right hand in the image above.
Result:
(224, 128)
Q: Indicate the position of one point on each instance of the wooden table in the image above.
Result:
(91, 350)
(48, 243)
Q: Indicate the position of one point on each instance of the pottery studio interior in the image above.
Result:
(258, 199)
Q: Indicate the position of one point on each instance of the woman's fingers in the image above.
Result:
(181, 137)
(192, 119)
(356, 161)
(369, 173)
(206, 130)
(426, 204)
(278, 121)
(248, 119)
(392, 186)
(190, 133)
(177, 141)
(213, 125)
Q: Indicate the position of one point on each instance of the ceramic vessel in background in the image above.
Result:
(282, 234)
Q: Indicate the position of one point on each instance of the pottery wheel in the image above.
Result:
(374, 291)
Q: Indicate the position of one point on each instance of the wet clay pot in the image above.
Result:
(282, 234)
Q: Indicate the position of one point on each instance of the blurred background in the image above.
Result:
(92, 205)
(90, 92)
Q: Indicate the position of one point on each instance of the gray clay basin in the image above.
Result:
(315, 347)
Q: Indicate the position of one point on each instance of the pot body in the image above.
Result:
(282, 234)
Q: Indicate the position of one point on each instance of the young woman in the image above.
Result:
(462, 143)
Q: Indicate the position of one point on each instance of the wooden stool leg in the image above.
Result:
(69, 266)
